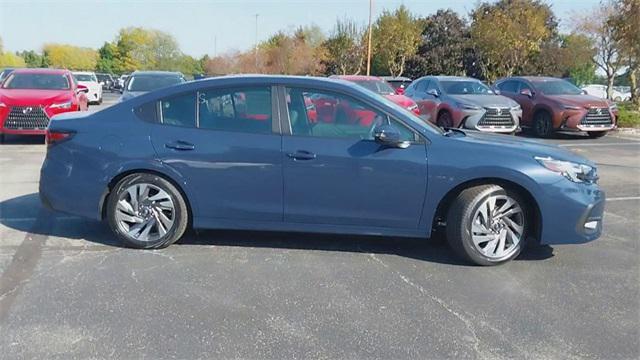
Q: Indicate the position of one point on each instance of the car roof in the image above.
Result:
(532, 78)
(356, 77)
(40, 71)
(452, 78)
(156, 73)
(83, 73)
(395, 78)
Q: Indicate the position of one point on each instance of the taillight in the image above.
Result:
(53, 137)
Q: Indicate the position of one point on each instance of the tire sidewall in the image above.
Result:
(540, 118)
(181, 213)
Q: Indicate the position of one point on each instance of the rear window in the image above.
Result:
(85, 77)
(36, 81)
(378, 87)
(149, 83)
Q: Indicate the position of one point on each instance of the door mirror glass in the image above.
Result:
(82, 89)
(526, 92)
(433, 92)
(390, 136)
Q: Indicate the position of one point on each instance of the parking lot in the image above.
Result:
(67, 290)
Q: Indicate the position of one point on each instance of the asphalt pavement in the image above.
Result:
(68, 290)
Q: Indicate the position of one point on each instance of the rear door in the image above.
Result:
(336, 174)
(226, 146)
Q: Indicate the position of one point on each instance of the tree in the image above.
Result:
(345, 48)
(625, 22)
(595, 25)
(396, 36)
(565, 56)
(442, 49)
(146, 49)
(70, 57)
(9, 59)
(32, 59)
(107, 57)
(506, 34)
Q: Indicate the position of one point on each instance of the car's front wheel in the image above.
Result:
(487, 224)
(146, 211)
(542, 125)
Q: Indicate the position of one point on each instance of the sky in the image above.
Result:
(203, 27)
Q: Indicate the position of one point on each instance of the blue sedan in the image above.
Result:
(279, 153)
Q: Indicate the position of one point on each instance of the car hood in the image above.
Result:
(585, 101)
(485, 100)
(33, 97)
(512, 144)
(401, 100)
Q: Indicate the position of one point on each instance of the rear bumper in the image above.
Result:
(571, 213)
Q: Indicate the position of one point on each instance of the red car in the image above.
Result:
(383, 88)
(30, 97)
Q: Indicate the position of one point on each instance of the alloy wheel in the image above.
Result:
(145, 212)
(497, 227)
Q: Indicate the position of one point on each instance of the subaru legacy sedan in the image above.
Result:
(243, 152)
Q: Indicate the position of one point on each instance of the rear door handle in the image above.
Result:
(180, 145)
(302, 155)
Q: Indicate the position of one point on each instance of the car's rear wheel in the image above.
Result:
(542, 124)
(444, 120)
(146, 211)
(487, 224)
(597, 134)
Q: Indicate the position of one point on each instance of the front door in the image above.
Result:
(335, 174)
(223, 144)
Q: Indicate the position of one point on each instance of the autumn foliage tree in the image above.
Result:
(507, 34)
(70, 57)
(345, 49)
(625, 23)
(396, 36)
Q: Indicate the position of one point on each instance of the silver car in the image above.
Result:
(463, 102)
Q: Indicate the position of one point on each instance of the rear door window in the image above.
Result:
(243, 109)
(509, 86)
(179, 110)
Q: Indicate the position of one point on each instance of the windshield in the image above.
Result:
(465, 87)
(412, 117)
(148, 83)
(377, 86)
(558, 87)
(37, 81)
(85, 77)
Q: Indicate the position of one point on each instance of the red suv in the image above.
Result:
(551, 104)
(30, 97)
(383, 88)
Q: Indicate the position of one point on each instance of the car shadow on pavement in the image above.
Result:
(26, 214)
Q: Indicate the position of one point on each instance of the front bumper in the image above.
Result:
(471, 119)
(572, 120)
(572, 213)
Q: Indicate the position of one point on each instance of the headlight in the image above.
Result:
(66, 105)
(613, 107)
(3, 104)
(516, 108)
(570, 107)
(413, 107)
(468, 106)
(573, 171)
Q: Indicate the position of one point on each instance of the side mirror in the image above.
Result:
(526, 92)
(433, 92)
(496, 91)
(82, 89)
(400, 90)
(389, 136)
(584, 92)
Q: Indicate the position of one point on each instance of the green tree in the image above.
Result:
(32, 59)
(396, 36)
(345, 48)
(625, 23)
(507, 34)
(442, 49)
(9, 59)
(107, 57)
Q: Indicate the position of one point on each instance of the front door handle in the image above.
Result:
(180, 145)
(302, 155)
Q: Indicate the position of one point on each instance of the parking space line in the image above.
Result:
(624, 198)
(637, 143)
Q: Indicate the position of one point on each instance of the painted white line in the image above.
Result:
(601, 144)
(623, 198)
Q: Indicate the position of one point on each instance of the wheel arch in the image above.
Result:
(445, 202)
(107, 191)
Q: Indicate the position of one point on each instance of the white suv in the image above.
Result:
(90, 80)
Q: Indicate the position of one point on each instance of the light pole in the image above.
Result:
(369, 41)
(256, 41)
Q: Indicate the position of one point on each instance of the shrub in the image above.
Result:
(628, 117)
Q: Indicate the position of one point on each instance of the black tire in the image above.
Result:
(444, 120)
(2, 137)
(460, 218)
(542, 125)
(596, 134)
(181, 216)
(100, 101)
